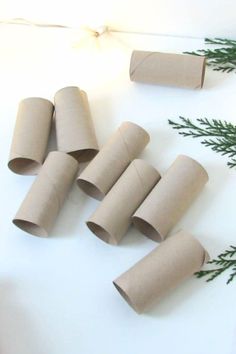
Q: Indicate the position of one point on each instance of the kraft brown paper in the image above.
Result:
(45, 198)
(31, 133)
(170, 198)
(181, 70)
(74, 126)
(161, 271)
(107, 166)
(112, 218)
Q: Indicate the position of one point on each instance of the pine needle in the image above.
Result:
(219, 135)
(220, 59)
(223, 262)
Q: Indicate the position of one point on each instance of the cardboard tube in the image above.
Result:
(112, 218)
(30, 136)
(170, 198)
(46, 196)
(107, 166)
(181, 70)
(74, 126)
(161, 271)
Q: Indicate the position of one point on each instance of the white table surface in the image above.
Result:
(56, 294)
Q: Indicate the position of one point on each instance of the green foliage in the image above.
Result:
(223, 262)
(220, 59)
(219, 135)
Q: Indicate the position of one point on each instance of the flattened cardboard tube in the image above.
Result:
(170, 198)
(31, 133)
(161, 271)
(181, 70)
(46, 196)
(108, 165)
(112, 218)
(75, 132)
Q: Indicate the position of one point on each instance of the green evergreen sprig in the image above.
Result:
(220, 59)
(223, 262)
(219, 135)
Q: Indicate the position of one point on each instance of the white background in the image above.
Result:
(56, 294)
(200, 18)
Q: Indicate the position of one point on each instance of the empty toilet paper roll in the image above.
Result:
(170, 198)
(74, 126)
(111, 161)
(112, 218)
(167, 69)
(31, 133)
(162, 270)
(45, 198)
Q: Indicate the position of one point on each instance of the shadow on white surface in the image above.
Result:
(162, 142)
(214, 79)
(101, 106)
(18, 331)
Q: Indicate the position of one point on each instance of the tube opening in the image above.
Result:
(125, 296)
(100, 232)
(147, 229)
(90, 189)
(30, 227)
(84, 155)
(24, 166)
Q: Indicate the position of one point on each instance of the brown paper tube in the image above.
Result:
(112, 218)
(170, 198)
(74, 126)
(45, 198)
(181, 70)
(162, 270)
(30, 136)
(107, 166)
